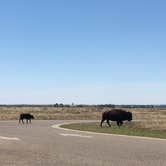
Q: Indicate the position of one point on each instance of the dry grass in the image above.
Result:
(49, 113)
(150, 118)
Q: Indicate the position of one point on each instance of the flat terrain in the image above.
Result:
(152, 118)
(41, 145)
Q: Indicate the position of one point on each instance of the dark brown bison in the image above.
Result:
(26, 116)
(117, 115)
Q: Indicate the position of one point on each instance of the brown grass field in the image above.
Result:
(150, 118)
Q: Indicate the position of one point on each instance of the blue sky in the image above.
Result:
(89, 52)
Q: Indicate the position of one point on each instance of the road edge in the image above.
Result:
(58, 126)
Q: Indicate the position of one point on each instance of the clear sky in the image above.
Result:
(86, 52)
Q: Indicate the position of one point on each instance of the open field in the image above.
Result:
(151, 118)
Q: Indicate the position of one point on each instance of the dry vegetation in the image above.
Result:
(150, 117)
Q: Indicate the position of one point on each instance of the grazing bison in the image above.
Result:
(26, 116)
(117, 115)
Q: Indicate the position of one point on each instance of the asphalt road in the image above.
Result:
(38, 144)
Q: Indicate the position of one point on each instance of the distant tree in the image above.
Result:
(61, 105)
(56, 105)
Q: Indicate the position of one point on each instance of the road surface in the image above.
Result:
(39, 144)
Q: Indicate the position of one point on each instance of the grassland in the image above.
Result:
(151, 118)
(132, 129)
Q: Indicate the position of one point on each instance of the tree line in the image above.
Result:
(84, 105)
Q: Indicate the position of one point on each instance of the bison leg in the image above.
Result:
(102, 122)
(118, 123)
(22, 121)
(108, 123)
(121, 123)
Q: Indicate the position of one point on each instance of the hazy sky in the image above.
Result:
(88, 51)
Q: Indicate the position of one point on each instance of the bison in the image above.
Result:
(117, 115)
(26, 116)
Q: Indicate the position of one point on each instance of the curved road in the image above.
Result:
(39, 144)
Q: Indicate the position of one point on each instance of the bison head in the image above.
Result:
(32, 117)
(129, 116)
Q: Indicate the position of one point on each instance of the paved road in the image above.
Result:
(42, 145)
